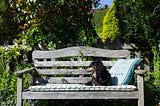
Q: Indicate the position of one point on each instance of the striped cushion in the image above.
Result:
(122, 71)
(80, 87)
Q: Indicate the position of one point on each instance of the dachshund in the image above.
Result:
(100, 76)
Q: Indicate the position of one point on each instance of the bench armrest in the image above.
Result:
(21, 72)
(140, 72)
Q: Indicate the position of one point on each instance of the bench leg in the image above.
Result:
(19, 91)
(140, 84)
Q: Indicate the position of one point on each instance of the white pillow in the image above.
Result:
(122, 71)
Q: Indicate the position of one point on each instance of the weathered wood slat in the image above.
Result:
(68, 63)
(24, 71)
(60, 80)
(97, 52)
(66, 52)
(19, 90)
(140, 85)
(81, 51)
(81, 95)
(140, 72)
(62, 72)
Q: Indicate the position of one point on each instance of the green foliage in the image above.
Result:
(8, 26)
(156, 63)
(7, 78)
(110, 25)
(139, 21)
(140, 24)
(98, 19)
(65, 23)
(7, 88)
(8, 85)
(152, 93)
(152, 86)
(88, 102)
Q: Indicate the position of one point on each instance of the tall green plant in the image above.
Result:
(110, 24)
(156, 62)
(98, 19)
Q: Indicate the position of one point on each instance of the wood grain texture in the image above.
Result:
(140, 85)
(19, 91)
(62, 72)
(68, 63)
(64, 80)
(81, 51)
(81, 95)
(21, 72)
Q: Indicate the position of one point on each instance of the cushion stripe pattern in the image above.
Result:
(80, 87)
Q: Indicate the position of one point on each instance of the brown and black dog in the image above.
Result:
(100, 76)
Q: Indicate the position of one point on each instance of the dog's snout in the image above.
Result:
(90, 69)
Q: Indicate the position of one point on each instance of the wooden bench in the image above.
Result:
(60, 74)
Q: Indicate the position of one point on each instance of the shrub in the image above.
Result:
(9, 62)
(110, 25)
(8, 80)
(98, 20)
(65, 23)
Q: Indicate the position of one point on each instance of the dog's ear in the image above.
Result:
(99, 69)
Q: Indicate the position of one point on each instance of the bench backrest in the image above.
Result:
(68, 65)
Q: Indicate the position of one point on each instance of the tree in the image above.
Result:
(110, 24)
(8, 26)
(62, 22)
(139, 24)
(98, 19)
(139, 21)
